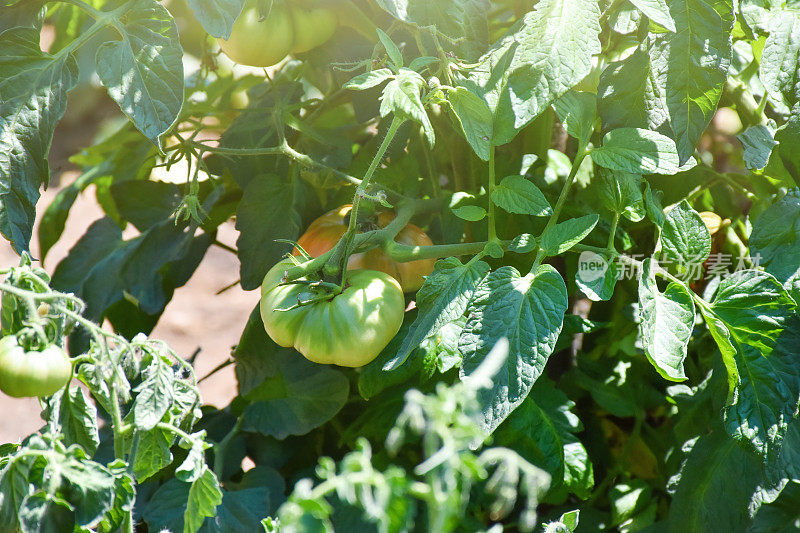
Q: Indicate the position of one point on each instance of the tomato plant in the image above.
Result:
(324, 232)
(577, 231)
(347, 328)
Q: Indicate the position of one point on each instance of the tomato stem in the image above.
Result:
(221, 448)
(491, 215)
(342, 251)
(613, 232)
(583, 151)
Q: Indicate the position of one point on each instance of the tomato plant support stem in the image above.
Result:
(613, 232)
(491, 214)
(341, 252)
(562, 198)
(221, 448)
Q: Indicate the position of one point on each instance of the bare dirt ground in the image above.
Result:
(195, 318)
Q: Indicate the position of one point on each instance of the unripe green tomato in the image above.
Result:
(32, 373)
(349, 329)
(259, 43)
(312, 27)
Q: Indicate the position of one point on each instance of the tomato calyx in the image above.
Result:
(33, 336)
(324, 291)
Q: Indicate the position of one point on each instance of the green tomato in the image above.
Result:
(259, 43)
(312, 27)
(349, 329)
(32, 373)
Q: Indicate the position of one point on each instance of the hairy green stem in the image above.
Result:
(562, 198)
(491, 215)
(222, 447)
(400, 253)
(341, 252)
(286, 150)
(175, 430)
(613, 233)
(116, 417)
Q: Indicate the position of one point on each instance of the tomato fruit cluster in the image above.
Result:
(326, 231)
(31, 373)
(348, 329)
(289, 28)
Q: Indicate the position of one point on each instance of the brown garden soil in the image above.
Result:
(195, 318)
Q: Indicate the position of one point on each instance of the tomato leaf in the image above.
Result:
(391, 49)
(401, 96)
(577, 111)
(153, 453)
(217, 16)
(564, 235)
(474, 119)
(652, 206)
(91, 488)
(715, 486)
(622, 193)
(74, 417)
(685, 238)
(154, 396)
(22, 14)
(463, 21)
(543, 430)
(516, 194)
(758, 314)
(241, 510)
(270, 209)
(596, 285)
(784, 162)
(124, 155)
(758, 142)
(205, 495)
(522, 244)
(526, 310)
(298, 398)
(33, 97)
(667, 323)
(471, 213)
(779, 69)
(442, 299)
(657, 11)
(368, 80)
(637, 151)
(536, 62)
(143, 72)
(776, 237)
(673, 83)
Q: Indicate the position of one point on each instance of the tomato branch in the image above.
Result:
(491, 215)
(613, 232)
(344, 248)
(583, 151)
(299, 157)
(221, 448)
(403, 253)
